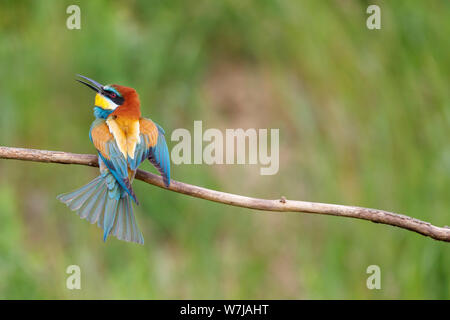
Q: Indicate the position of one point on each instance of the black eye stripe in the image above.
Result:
(117, 99)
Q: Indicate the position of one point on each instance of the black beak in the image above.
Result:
(94, 85)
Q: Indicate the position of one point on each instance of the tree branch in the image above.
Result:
(279, 205)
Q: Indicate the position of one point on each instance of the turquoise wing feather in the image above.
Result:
(152, 146)
(159, 157)
(109, 152)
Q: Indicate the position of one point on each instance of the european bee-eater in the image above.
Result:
(123, 140)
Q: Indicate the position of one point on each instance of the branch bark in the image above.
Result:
(279, 205)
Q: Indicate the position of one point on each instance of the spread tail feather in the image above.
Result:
(100, 202)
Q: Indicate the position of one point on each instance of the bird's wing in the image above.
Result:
(109, 152)
(152, 146)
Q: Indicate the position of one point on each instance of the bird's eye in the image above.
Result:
(112, 95)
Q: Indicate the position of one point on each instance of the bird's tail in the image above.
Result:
(102, 201)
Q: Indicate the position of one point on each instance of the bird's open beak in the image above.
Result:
(94, 85)
(100, 100)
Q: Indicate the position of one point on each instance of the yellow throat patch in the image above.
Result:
(104, 103)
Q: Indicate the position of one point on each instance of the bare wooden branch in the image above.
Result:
(279, 205)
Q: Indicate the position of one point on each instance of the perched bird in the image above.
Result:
(123, 140)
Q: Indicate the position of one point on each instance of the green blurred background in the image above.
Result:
(364, 120)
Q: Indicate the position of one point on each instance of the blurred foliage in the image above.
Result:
(364, 120)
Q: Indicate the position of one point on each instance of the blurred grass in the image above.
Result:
(363, 116)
